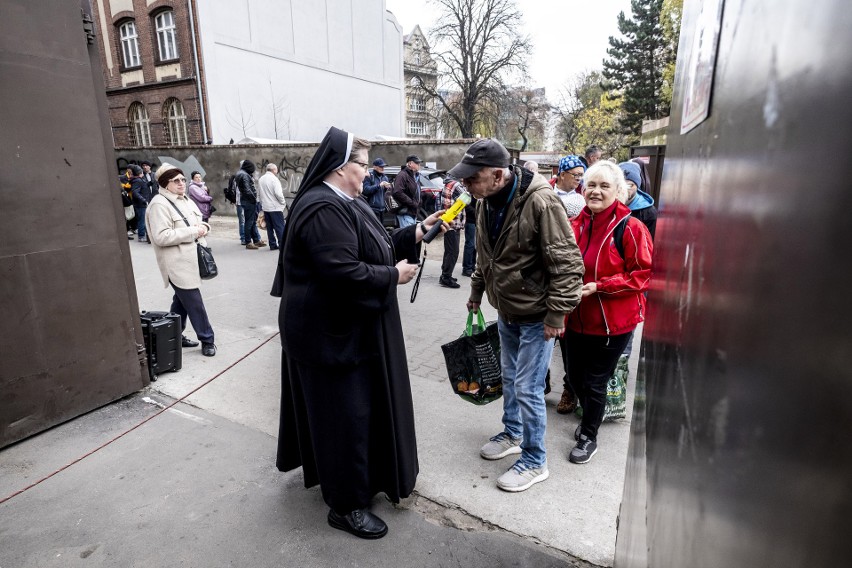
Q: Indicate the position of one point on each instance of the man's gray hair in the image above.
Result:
(270, 167)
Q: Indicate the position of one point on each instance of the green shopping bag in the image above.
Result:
(616, 393)
(473, 362)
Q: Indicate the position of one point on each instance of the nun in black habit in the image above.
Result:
(346, 412)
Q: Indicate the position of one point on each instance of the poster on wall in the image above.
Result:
(701, 66)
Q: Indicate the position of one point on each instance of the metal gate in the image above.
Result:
(69, 331)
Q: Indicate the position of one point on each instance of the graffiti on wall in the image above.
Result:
(290, 170)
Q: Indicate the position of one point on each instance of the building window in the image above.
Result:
(140, 129)
(417, 59)
(175, 122)
(165, 26)
(129, 44)
(416, 104)
(416, 127)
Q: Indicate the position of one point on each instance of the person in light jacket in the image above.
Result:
(272, 200)
(174, 225)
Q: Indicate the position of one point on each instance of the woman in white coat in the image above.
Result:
(174, 224)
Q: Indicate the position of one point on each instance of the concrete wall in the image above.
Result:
(218, 163)
(320, 63)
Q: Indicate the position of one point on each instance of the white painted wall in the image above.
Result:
(327, 62)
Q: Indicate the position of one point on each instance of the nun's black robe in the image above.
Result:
(346, 410)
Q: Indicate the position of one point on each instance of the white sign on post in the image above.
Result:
(702, 66)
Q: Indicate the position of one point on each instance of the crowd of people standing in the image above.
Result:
(566, 261)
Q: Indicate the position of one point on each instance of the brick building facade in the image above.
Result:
(150, 71)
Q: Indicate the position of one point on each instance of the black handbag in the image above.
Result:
(206, 264)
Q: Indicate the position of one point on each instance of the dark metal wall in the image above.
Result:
(746, 354)
(69, 328)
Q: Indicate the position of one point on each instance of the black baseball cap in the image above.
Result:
(485, 153)
(413, 158)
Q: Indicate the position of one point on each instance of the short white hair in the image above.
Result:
(612, 173)
(270, 167)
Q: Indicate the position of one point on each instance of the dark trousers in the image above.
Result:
(140, 222)
(591, 363)
(274, 227)
(451, 253)
(379, 215)
(469, 259)
(563, 348)
(189, 303)
(250, 230)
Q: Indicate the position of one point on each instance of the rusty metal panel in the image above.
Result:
(69, 331)
(747, 343)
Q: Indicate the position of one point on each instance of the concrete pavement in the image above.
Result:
(221, 468)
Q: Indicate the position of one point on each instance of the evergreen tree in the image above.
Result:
(635, 70)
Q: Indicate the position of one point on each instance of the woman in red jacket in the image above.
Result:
(613, 302)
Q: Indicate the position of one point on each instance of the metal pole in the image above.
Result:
(197, 72)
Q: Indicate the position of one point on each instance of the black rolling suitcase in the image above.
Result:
(162, 334)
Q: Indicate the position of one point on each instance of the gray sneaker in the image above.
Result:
(500, 446)
(583, 451)
(520, 478)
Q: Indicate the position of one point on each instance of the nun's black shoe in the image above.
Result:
(208, 349)
(187, 342)
(360, 522)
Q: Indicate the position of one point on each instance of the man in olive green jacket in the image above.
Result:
(530, 267)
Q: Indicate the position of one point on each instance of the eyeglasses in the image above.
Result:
(575, 176)
(178, 180)
(364, 165)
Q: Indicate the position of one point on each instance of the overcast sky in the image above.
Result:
(568, 35)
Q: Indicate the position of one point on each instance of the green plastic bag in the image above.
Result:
(616, 393)
(473, 362)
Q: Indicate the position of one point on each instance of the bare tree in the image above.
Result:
(479, 47)
(280, 119)
(529, 115)
(243, 120)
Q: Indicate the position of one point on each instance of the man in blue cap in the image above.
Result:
(375, 185)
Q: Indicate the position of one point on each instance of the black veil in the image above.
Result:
(333, 153)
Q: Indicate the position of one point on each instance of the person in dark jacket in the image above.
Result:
(406, 191)
(640, 203)
(530, 268)
(375, 185)
(613, 302)
(469, 257)
(149, 178)
(347, 416)
(141, 195)
(248, 199)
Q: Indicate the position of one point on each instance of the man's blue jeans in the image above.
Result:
(242, 221)
(525, 357)
(405, 220)
(141, 231)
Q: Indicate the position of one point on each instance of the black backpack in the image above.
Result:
(618, 236)
(231, 190)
